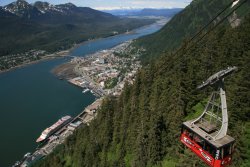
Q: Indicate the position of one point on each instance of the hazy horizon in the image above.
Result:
(116, 4)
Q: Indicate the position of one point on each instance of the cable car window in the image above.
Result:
(197, 139)
(187, 132)
(227, 150)
(221, 153)
(190, 135)
(207, 147)
(210, 149)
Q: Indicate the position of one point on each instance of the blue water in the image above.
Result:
(32, 98)
(106, 43)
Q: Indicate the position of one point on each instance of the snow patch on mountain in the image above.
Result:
(21, 6)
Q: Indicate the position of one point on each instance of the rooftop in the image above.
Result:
(217, 143)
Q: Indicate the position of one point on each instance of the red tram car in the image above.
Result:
(206, 135)
(215, 154)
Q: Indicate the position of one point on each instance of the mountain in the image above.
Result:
(43, 7)
(142, 126)
(64, 9)
(44, 12)
(4, 13)
(40, 25)
(144, 12)
(22, 8)
(171, 36)
(69, 13)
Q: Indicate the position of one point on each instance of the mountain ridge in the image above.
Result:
(45, 12)
(142, 127)
(173, 33)
(29, 28)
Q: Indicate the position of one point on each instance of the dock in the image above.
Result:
(82, 119)
(98, 73)
(84, 82)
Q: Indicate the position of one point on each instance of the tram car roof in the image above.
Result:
(217, 143)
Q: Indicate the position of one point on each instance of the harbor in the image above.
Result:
(82, 119)
(92, 73)
(41, 99)
(103, 73)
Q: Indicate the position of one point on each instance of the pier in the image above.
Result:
(103, 73)
(85, 82)
(82, 119)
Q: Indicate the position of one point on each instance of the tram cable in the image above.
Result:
(207, 25)
(211, 21)
(220, 22)
(202, 135)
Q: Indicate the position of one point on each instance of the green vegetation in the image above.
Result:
(196, 110)
(246, 145)
(20, 35)
(183, 26)
(142, 127)
(111, 83)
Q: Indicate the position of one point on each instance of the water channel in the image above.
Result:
(32, 98)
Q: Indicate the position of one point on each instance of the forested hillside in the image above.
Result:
(19, 35)
(184, 26)
(142, 126)
(43, 26)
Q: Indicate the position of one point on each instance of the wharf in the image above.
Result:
(84, 118)
(84, 82)
(103, 73)
(78, 81)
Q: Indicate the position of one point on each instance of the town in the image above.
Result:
(104, 73)
(10, 61)
(107, 71)
(21, 59)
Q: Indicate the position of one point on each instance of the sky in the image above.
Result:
(116, 4)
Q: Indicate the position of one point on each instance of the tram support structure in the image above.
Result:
(207, 135)
(210, 108)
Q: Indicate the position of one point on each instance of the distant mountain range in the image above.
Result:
(144, 12)
(142, 127)
(41, 25)
(173, 33)
(48, 13)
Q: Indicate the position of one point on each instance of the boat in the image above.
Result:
(17, 163)
(52, 129)
(85, 90)
(27, 155)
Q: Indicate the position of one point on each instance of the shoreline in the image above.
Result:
(68, 54)
(47, 57)
(69, 51)
(133, 31)
(55, 55)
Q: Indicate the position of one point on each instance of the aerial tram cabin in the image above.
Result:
(207, 136)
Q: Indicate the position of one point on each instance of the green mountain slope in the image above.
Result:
(184, 26)
(57, 27)
(142, 127)
(20, 35)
